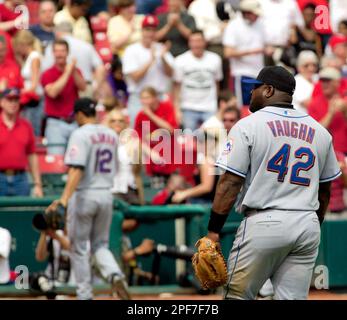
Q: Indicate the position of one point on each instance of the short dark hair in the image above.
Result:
(344, 22)
(61, 42)
(310, 5)
(224, 95)
(80, 2)
(233, 109)
(197, 31)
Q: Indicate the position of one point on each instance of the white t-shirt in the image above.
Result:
(26, 71)
(124, 177)
(87, 57)
(135, 57)
(279, 16)
(5, 248)
(198, 77)
(243, 36)
(205, 15)
(303, 91)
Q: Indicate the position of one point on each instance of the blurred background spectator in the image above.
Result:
(214, 125)
(329, 107)
(88, 60)
(44, 30)
(75, 13)
(307, 67)
(154, 116)
(10, 75)
(176, 182)
(146, 63)
(244, 45)
(128, 183)
(124, 29)
(61, 84)
(17, 149)
(281, 18)
(306, 37)
(176, 26)
(29, 58)
(197, 76)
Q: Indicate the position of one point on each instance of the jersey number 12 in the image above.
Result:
(279, 164)
(103, 159)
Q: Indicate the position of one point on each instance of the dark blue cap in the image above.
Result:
(10, 93)
(276, 76)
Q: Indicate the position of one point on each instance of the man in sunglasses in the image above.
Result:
(282, 162)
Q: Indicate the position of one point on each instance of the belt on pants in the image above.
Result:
(11, 172)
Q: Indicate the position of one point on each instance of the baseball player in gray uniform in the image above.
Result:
(92, 160)
(279, 164)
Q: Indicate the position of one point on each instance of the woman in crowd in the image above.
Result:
(307, 66)
(29, 58)
(124, 28)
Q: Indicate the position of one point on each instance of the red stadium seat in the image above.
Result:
(105, 53)
(98, 24)
(100, 39)
(51, 164)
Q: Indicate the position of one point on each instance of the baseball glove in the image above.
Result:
(209, 264)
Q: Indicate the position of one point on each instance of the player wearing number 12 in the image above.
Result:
(92, 160)
(279, 164)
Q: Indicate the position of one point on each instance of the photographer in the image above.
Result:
(53, 246)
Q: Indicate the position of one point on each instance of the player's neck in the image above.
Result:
(284, 105)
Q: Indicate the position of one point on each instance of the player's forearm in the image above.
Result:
(228, 187)
(323, 198)
(74, 178)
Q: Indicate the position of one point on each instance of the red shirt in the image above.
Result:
(16, 144)
(10, 71)
(62, 105)
(10, 53)
(318, 108)
(337, 203)
(166, 112)
(8, 15)
(161, 197)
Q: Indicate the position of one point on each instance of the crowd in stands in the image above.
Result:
(168, 63)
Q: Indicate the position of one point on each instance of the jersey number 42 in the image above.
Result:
(279, 164)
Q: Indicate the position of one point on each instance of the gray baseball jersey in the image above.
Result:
(284, 155)
(94, 147)
(90, 209)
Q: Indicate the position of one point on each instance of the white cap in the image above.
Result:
(5, 248)
(306, 56)
(251, 6)
(330, 73)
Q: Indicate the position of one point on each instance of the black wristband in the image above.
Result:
(216, 222)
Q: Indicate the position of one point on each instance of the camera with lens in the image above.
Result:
(54, 220)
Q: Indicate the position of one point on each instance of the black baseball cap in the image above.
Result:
(86, 106)
(276, 76)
